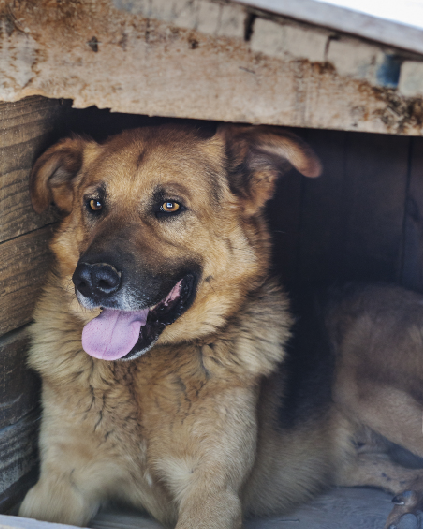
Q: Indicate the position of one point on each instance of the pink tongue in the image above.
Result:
(113, 333)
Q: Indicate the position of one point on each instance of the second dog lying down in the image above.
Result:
(375, 333)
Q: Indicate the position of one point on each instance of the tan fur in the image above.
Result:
(376, 333)
(189, 430)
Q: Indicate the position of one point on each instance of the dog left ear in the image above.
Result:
(54, 174)
(257, 155)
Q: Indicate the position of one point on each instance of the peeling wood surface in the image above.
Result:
(19, 414)
(375, 186)
(19, 387)
(23, 270)
(18, 454)
(96, 54)
(412, 276)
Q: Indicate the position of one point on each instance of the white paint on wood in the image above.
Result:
(200, 15)
(185, 13)
(288, 42)
(411, 79)
(345, 21)
(18, 49)
(208, 15)
(352, 58)
(232, 21)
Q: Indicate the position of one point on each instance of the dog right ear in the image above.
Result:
(255, 157)
(54, 173)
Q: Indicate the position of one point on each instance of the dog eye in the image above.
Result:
(95, 205)
(170, 207)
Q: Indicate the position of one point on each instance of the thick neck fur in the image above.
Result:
(250, 346)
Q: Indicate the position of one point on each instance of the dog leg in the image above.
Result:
(205, 477)
(376, 470)
(217, 510)
(57, 499)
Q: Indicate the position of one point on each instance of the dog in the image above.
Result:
(162, 343)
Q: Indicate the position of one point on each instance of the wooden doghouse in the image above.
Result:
(350, 85)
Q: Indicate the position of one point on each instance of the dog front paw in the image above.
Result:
(57, 503)
(406, 514)
(408, 521)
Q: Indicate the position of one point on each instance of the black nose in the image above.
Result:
(96, 280)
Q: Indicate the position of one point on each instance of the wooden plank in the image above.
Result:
(13, 495)
(105, 53)
(322, 208)
(26, 128)
(19, 389)
(18, 456)
(412, 268)
(346, 20)
(19, 414)
(375, 189)
(23, 269)
(283, 214)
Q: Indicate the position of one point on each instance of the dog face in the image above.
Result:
(162, 234)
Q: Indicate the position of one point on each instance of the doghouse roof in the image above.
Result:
(281, 62)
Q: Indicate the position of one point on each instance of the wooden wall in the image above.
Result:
(361, 220)
(25, 130)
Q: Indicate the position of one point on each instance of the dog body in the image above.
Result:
(161, 267)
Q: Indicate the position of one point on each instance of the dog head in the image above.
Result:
(162, 236)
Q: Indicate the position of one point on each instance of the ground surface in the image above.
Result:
(341, 508)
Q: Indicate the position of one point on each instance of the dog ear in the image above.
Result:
(53, 175)
(257, 155)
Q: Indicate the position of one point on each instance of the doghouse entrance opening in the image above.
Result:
(359, 221)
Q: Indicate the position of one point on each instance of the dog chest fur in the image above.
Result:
(142, 430)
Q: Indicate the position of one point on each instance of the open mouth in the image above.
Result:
(121, 335)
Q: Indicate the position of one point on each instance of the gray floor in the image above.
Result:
(357, 508)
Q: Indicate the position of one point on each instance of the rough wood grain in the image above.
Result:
(346, 20)
(412, 268)
(26, 128)
(375, 187)
(322, 208)
(19, 413)
(23, 267)
(96, 54)
(19, 387)
(18, 457)
(283, 213)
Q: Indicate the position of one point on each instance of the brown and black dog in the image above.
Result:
(159, 339)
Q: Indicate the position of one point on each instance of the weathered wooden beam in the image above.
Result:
(18, 457)
(345, 20)
(26, 128)
(197, 62)
(19, 387)
(19, 414)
